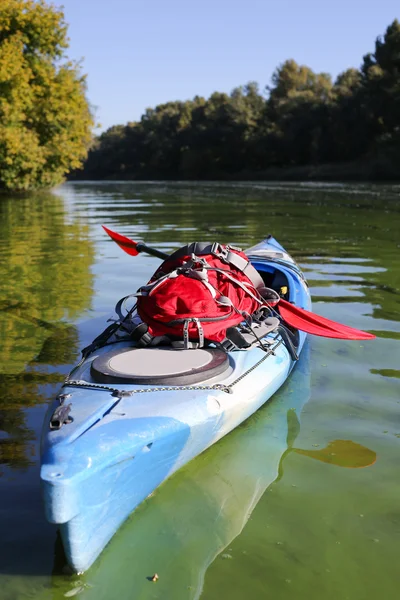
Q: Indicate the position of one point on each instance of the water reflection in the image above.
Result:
(28, 389)
(45, 278)
(44, 273)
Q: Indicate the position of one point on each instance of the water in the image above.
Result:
(300, 501)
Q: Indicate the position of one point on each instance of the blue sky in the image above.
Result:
(140, 53)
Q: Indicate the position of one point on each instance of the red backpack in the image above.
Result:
(199, 292)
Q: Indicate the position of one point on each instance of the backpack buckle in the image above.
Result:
(220, 251)
(200, 331)
(228, 345)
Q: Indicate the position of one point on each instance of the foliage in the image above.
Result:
(45, 121)
(303, 119)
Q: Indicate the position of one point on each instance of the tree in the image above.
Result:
(298, 110)
(381, 80)
(347, 84)
(291, 80)
(45, 119)
(348, 125)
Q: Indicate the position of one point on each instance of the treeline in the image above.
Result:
(303, 119)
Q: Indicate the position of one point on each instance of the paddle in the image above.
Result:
(309, 322)
(133, 248)
(296, 317)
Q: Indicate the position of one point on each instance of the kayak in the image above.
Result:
(128, 417)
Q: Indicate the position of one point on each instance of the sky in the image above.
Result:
(140, 53)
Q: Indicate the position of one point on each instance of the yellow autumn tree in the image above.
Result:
(45, 118)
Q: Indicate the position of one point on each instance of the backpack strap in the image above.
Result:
(239, 283)
(200, 330)
(239, 262)
(226, 254)
(234, 340)
(141, 335)
(197, 248)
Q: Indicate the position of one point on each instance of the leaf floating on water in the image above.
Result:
(342, 453)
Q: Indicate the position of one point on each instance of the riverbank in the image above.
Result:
(361, 171)
(374, 170)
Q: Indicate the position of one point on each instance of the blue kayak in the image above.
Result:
(128, 417)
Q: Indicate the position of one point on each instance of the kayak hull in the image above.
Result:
(118, 449)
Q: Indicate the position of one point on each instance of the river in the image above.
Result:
(302, 500)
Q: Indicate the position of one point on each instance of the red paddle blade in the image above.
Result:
(127, 245)
(317, 325)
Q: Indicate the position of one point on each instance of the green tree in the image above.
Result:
(107, 154)
(45, 120)
(163, 133)
(347, 84)
(298, 111)
(349, 132)
(381, 82)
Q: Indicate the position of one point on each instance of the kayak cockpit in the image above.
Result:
(159, 366)
(275, 279)
(167, 365)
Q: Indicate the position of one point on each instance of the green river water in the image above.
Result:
(303, 500)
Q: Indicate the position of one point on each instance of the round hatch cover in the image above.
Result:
(164, 366)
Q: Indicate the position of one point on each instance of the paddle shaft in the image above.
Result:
(140, 247)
